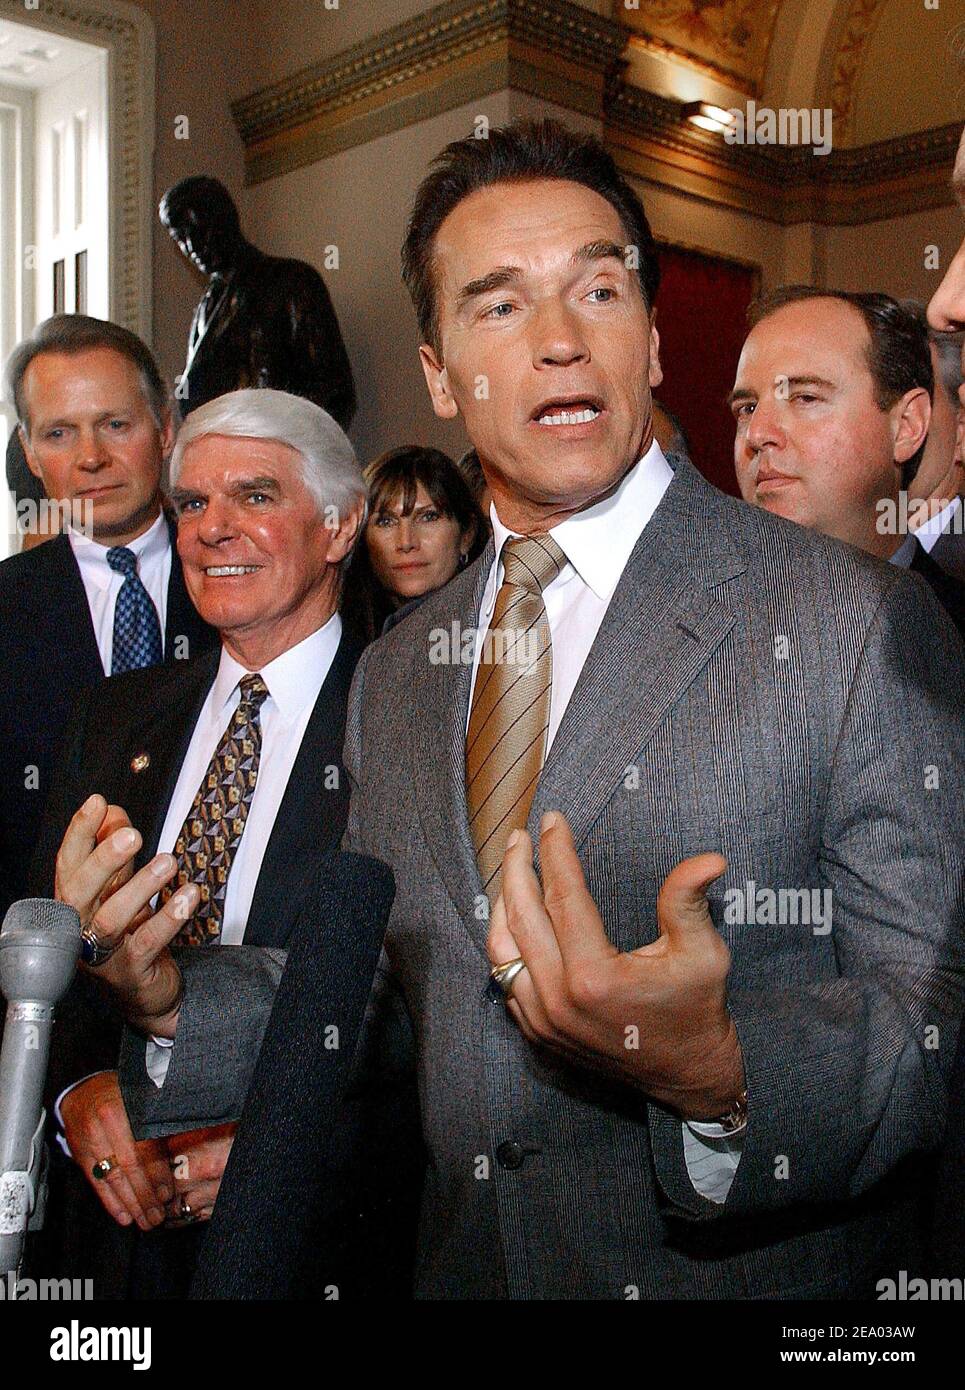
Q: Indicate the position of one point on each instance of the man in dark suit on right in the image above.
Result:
(703, 1057)
(833, 406)
(938, 486)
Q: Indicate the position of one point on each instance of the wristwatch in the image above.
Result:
(735, 1117)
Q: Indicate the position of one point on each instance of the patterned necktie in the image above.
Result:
(137, 632)
(506, 740)
(210, 836)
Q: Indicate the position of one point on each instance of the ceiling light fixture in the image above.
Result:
(708, 116)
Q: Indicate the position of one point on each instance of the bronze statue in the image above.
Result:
(263, 321)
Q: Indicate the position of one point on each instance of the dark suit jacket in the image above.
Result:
(154, 712)
(948, 552)
(49, 658)
(946, 588)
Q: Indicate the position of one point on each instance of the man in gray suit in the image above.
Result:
(713, 1047)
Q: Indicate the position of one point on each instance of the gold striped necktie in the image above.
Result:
(211, 834)
(506, 740)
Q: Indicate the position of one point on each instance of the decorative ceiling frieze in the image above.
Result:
(729, 38)
(780, 183)
(454, 53)
(465, 50)
(852, 42)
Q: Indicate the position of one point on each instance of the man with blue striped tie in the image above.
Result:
(137, 632)
(107, 594)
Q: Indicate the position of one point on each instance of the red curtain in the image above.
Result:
(702, 321)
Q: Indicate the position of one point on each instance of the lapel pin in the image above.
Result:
(140, 761)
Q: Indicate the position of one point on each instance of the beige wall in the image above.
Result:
(359, 201)
(199, 70)
(890, 255)
(717, 231)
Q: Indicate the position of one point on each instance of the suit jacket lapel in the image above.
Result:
(66, 613)
(164, 739)
(311, 817)
(439, 748)
(661, 628)
(183, 619)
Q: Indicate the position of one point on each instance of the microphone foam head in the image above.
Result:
(39, 946)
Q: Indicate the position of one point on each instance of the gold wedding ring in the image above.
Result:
(503, 976)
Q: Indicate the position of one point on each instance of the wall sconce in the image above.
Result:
(708, 116)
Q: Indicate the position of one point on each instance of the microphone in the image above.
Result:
(39, 946)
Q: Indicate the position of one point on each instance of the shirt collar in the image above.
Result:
(598, 541)
(906, 552)
(935, 525)
(91, 555)
(293, 679)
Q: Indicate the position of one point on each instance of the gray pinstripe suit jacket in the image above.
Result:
(754, 689)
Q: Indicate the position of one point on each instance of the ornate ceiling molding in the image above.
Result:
(780, 183)
(560, 52)
(128, 33)
(728, 39)
(853, 39)
(454, 53)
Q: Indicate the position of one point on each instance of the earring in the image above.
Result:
(463, 560)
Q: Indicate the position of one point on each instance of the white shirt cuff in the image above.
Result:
(157, 1059)
(712, 1155)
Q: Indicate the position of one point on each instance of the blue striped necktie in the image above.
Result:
(137, 631)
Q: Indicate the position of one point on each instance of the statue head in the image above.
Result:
(201, 216)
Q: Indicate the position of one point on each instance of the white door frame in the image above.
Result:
(127, 33)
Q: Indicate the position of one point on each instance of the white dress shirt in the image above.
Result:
(929, 531)
(102, 584)
(294, 681)
(598, 542)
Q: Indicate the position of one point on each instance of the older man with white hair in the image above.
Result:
(226, 776)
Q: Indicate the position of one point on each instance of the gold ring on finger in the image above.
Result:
(92, 952)
(503, 976)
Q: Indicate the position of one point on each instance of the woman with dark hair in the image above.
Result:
(424, 525)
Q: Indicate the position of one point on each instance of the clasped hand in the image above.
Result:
(152, 1181)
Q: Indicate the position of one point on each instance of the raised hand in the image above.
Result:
(94, 875)
(656, 1016)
